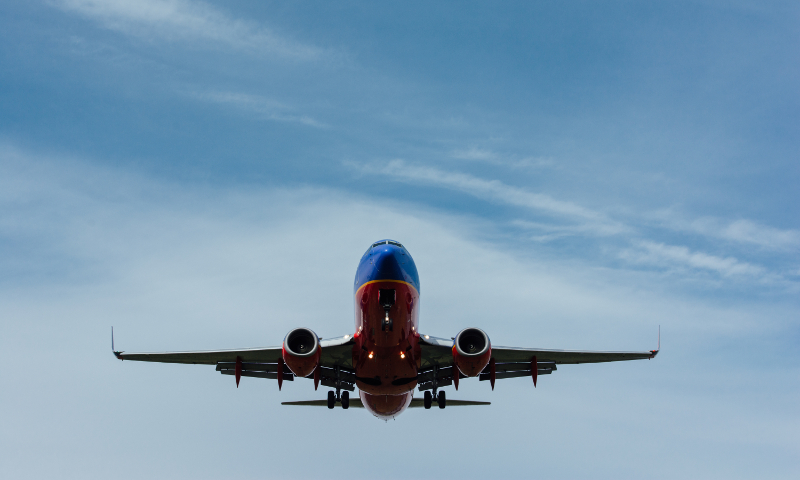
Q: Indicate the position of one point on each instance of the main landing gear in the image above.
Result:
(339, 396)
(343, 398)
(427, 399)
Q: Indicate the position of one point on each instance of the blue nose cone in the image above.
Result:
(387, 264)
(387, 260)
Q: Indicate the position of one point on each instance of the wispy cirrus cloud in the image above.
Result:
(496, 191)
(740, 231)
(263, 107)
(187, 21)
(548, 232)
(487, 156)
(748, 232)
(673, 256)
(631, 242)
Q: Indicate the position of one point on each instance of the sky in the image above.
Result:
(565, 174)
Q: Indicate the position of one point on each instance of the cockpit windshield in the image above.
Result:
(387, 242)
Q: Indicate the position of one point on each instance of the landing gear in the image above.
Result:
(339, 395)
(428, 397)
(386, 298)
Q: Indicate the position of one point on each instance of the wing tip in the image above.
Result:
(653, 353)
(116, 353)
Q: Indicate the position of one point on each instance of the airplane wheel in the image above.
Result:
(427, 400)
(442, 401)
(345, 400)
(331, 400)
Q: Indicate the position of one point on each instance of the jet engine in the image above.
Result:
(301, 351)
(472, 351)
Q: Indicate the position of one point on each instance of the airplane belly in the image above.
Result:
(385, 406)
(386, 352)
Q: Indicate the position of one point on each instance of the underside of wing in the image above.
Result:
(560, 357)
(207, 357)
(335, 367)
(438, 370)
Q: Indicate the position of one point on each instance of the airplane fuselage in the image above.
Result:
(386, 354)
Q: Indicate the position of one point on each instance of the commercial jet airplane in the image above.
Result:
(386, 357)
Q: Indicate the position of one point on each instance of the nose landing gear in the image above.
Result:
(386, 297)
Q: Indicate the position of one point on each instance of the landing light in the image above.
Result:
(346, 337)
(427, 337)
(370, 354)
(402, 355)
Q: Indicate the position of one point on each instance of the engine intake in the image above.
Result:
(301, 351)
(472, 350)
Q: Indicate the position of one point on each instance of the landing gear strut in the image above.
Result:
(386, 298)
(339, 396)
(427, 399)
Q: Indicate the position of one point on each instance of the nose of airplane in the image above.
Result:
(387, 263)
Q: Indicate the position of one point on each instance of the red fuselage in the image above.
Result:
(386, 354)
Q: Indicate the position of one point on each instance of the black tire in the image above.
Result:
(345, 400)
(441, 400)
(427, 400)
(331, 400)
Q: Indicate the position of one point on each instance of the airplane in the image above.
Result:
(386, 357)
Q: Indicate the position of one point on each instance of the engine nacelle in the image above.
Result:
(301, 351)
(472, 351)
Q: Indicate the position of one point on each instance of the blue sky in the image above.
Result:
(565, 176)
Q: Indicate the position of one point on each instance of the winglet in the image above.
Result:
(658, 349)
(116, 353)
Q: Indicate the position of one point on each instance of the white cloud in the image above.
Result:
(490, 157)
(497, 191)
(670, 256)
(741, 231)
(261, 106)
(188, 21)
(474, 153)
(547, 232)
(747, 231)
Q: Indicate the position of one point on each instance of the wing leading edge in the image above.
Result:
(509, 362)
(335, 356)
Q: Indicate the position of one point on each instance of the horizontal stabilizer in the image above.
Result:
(418, 403)
(356, 403)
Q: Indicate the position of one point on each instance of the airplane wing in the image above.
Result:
(508, 362)
(335, 355)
